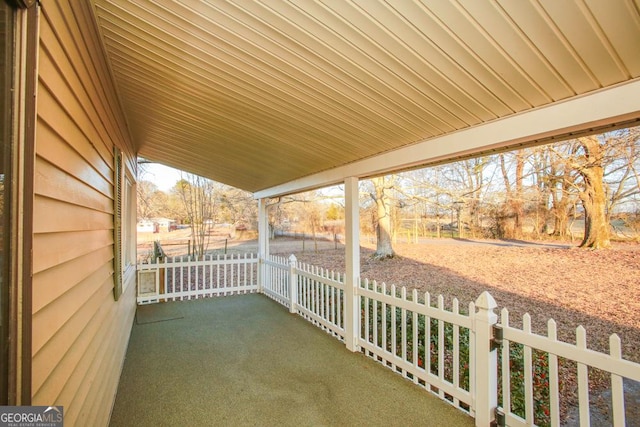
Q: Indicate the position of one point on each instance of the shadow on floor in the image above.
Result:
(245, 361)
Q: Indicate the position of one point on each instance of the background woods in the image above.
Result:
(585, 190)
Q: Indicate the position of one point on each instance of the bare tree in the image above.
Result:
(553, 192)
(589, 166)
(423, 192)
(198, 198)
(604, 173)
(236, 206)
(303, 212)
(151, 201)
(622, 167)
(542, 189)
(468, 184)
(562, 183)
(382, 187)
(313, 220)
(514, 204)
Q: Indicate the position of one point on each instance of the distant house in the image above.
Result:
(165, 224)
(146, 226)
(156, 225)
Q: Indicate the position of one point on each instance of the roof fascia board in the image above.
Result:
(589, 113)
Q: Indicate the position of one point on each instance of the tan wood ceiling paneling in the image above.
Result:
(258, 93)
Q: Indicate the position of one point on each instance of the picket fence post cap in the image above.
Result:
(292, 258)
(486, 302)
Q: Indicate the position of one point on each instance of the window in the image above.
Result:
(124, 226)
(129, 226)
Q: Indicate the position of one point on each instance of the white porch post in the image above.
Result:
(293, 284)
(352, 257)
(263, 241)
(486, 367)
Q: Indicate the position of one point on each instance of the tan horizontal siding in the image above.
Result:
(51, 283)
(53, 182)
(54, 149)
(68, 217)
(67, 130)
(50, 321)
(58, 353)
(94, 396)
(105, 333)
(73, 117)
(80, 332)
(51, 249)
(72, 72)
(113, 116)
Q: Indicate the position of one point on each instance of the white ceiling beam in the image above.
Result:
(582, 114)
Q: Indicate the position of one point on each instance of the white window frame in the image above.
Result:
(128, 228)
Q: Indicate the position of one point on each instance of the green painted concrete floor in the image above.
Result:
(246, 361)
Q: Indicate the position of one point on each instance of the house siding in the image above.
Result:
(79, 332)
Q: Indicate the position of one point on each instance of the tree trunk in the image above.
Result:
(541, 163)
(384, 246)
(560, 202)
(561, 218)
(596, 226)
(514, 205)
(594, 201)
(518, 204)
(501, 215)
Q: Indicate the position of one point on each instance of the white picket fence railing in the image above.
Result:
(180, 278)
(428, 344)
(464, 355)
(276, 279)
(542, 353)
(318, 295)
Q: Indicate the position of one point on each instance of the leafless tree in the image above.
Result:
(622, 161)
(199, 201)
(381, 196)
(603, 170)
(513, 207)
(236, 206)
(469, 183)
(152, 202)
(589, 165)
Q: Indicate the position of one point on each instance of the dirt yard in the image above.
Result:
(597, 289)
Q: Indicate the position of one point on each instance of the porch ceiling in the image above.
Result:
(257, 94)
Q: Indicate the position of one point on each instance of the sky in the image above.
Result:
(162, 176)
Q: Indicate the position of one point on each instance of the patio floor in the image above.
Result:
(245, 360)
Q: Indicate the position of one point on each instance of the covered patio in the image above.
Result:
(277, 98)
(245, 360)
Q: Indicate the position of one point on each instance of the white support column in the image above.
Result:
(352, 257)
(293, 284)
(486, 393)
(263, 241)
